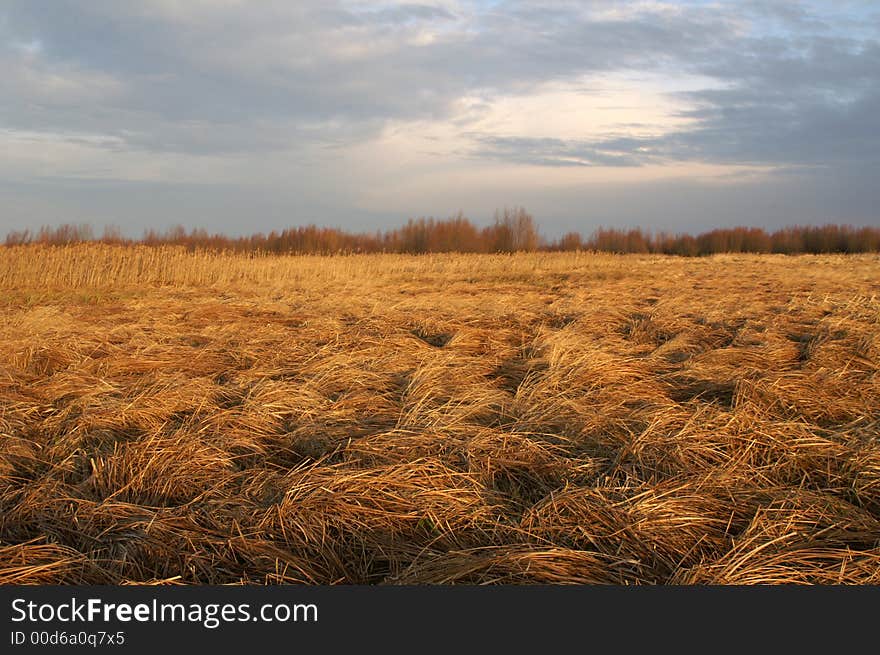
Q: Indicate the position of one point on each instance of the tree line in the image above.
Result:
(512, 230)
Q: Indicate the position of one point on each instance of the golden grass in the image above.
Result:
(174, 417)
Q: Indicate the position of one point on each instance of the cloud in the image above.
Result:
(237, 93)
(558, 152)
(232, 64)
(793, 100)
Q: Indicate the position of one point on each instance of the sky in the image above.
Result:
(240, 116)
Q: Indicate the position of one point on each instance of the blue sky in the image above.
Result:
(242, 116)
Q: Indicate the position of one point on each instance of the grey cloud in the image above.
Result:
(314, 62)
(134, 206)
(407, 13)
(735, 126)
(818, 106)
(812, 196)
(787, 100)
(794, 84)
(559, 152)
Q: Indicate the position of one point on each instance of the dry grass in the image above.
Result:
(549, 418)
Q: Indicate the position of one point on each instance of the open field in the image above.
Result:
(540, 418)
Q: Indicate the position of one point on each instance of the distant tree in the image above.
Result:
(19, 238)
(570, 241)
(112, 235)
(513, 231)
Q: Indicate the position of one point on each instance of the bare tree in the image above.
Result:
(514, 231)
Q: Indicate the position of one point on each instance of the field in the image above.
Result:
(191, 418)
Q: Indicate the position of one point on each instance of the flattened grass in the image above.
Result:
(190, 418)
